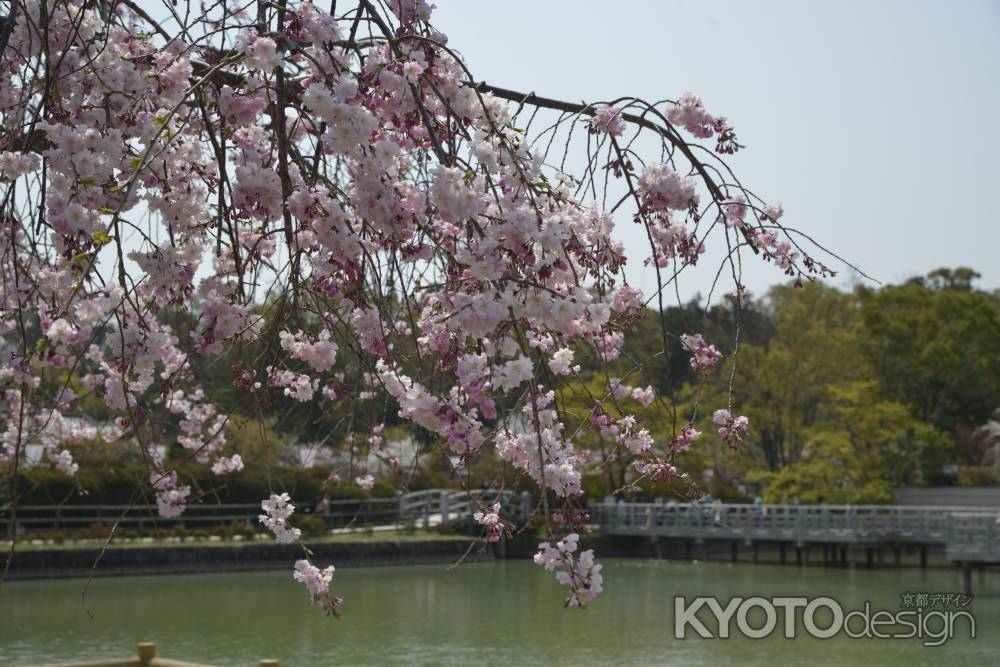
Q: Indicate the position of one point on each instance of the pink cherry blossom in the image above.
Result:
(704, 357)
(608, 119)
(329, 215)
(732, 430)
(317, 582)
(491, 521)
(277, 510)
(582, 574)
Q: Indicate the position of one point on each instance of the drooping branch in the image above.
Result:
(354, 230)
(664, 130)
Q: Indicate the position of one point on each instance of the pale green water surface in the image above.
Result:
(503, 613)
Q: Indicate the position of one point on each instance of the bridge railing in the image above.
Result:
(973, 527)
(142, 516)
(973, 537)
(834, 522)
(447, 506)
(444, 505)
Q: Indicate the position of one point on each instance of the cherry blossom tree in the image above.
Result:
(348, 216)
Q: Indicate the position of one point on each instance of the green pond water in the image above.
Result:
(503, 613)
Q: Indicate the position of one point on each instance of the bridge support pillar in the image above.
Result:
(923, 556)
(967, 578)
(799, 560)
(687, 549)
(781, 553)
(753, 547)
(734, 551)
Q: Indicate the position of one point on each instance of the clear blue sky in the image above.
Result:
(876, 124)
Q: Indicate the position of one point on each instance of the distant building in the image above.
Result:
(948, 496)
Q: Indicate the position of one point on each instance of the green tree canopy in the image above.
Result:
(936, 350)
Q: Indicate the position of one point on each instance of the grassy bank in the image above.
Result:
(230, 541)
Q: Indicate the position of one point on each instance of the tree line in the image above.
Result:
(850, 392)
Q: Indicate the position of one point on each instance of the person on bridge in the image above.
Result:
(760, 509)
(717, 508)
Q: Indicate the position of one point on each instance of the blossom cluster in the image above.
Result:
(689, 112)
(704, 357)
(732, 430)
(277, 510)
(663, 189)
(608, 119)
(642, 395)
(317, 582)
(319, 355)
(582, 574)
(171, 498)
(491, 521)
